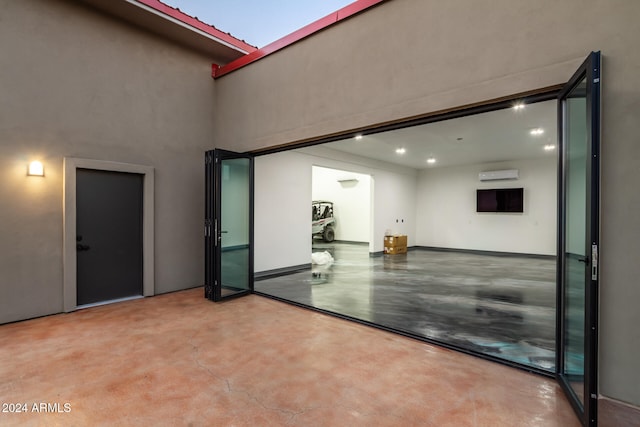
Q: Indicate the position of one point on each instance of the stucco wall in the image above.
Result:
(77, 83)
(411, 57)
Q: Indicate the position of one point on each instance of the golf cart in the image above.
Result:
(323, 222)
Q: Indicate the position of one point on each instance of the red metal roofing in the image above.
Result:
(194, 22)
(322, 23)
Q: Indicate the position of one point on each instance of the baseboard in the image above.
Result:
(348, 242)
(614, 413)
(480, 252)
(284, 271)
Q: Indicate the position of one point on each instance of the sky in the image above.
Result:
(258, 22)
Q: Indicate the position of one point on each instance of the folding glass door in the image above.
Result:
(228, 224)
(579, 137)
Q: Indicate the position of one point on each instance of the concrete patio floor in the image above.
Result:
(180, 360)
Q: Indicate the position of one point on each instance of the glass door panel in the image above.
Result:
(234, 233)
(575, 256)
(579, 136)
(228, 225)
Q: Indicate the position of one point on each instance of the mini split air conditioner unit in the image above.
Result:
(348, 179)
(498, 175)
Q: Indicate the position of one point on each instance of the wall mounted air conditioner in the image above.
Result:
(348, 179)
(498, 175)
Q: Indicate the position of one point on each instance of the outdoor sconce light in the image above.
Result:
(35, 169)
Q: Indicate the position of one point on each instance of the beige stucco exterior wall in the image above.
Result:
(411, 57)
(76, 83)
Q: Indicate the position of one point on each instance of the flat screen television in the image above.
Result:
(500, 200)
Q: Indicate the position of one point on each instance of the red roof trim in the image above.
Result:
(314, 27)
(196, 23)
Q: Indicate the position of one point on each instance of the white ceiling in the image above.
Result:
(481, 138)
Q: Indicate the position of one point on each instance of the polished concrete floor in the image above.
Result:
(502, 306)
(181, 360)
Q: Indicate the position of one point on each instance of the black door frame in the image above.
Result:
(590, 69)
(212, 224)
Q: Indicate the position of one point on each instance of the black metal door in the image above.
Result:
(228, 224)
(108, 235)
(579, 137)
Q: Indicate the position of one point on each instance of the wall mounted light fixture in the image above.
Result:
(35, 169)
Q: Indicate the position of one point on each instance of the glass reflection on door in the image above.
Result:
(234, 232)
(575, 257)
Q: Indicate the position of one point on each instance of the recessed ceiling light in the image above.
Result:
(519, 106)
(358, 137)
(400, 150)
(549, 147)
(536, 131)
(431, 160)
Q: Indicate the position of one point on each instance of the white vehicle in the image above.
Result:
(323, 222)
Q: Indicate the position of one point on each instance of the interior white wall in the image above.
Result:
(283, 191)
(282, 220)
(393, 190)
(435, 207)
(351, 201)
(447, 217)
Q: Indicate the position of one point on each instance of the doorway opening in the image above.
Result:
(481, 282)
(348, 206)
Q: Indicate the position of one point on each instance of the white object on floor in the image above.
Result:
(321, 258)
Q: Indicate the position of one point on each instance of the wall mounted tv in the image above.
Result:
(500, 200)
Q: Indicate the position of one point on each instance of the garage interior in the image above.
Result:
(481, 282)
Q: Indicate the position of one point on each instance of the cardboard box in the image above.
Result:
(395, 245)
(395, 241)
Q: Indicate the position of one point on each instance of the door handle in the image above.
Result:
(224, 231)
(584, 259)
